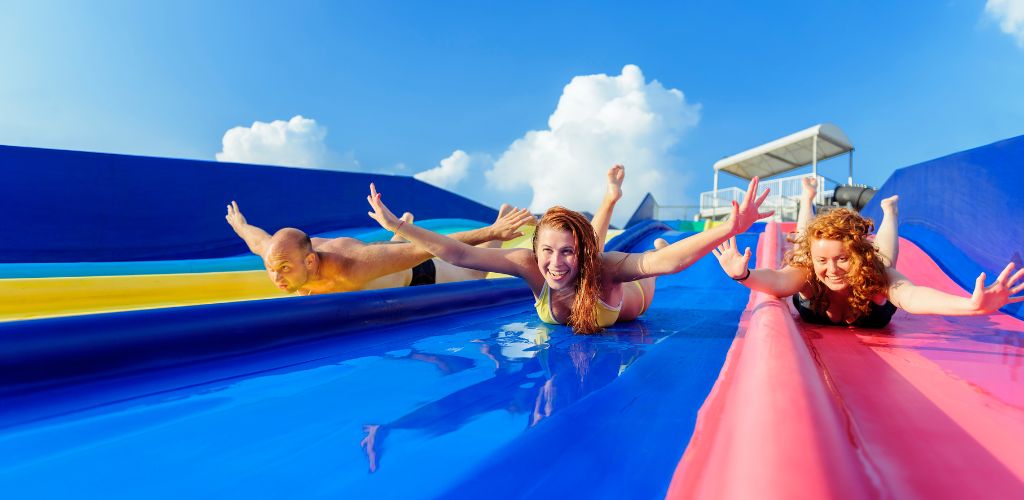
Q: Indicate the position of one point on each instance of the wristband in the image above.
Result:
(399, 226)
(744, 277)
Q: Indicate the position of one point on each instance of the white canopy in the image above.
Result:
(806, 147)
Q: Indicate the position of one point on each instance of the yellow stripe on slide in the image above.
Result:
(33, 298)
(28, 298)
(708, 224)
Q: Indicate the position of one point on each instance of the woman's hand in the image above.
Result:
(746, 214)
(733, 263)
(380, 212)
(989, 299)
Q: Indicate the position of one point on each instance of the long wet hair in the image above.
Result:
(866, 276)
(583, 318)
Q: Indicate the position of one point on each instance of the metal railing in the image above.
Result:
(784, 197)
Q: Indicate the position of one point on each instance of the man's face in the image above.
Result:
(286, 266)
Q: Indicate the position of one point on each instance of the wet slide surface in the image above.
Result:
(453, 405)
(936, 403)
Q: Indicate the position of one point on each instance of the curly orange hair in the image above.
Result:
(866, 276)
(583, 318)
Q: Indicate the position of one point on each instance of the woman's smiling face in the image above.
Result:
(557, 257)
(831, 263)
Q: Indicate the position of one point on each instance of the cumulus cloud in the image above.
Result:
(298, 142)
(1010, 14)
(449, 173)
(601, 120)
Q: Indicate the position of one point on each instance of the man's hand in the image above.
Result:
(235, 217)
(746, 214)
(507, 226)
(989, 299)
(616, 175)
(380, 212)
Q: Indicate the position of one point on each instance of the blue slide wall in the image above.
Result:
(966, 210)
(71, 206)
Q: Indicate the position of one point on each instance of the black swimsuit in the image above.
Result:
(424, 274)
(877, 317)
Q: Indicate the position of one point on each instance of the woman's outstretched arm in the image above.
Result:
(985, 300)
(778, 282)
(506, 261)
(683, 253)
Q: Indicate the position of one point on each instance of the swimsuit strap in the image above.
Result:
(543, 306)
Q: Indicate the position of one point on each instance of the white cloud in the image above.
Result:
(601, 120)
(1010, 14)
(449, 173)
(298, 142)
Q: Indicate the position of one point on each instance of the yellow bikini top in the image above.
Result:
(606, 314)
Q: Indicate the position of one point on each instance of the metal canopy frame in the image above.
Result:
(806, 147)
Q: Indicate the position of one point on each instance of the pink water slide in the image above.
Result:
(929, 407)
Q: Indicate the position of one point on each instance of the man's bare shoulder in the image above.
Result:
(335, 244)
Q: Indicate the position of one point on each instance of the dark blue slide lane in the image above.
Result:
(485, 402)
(626, 440)
(965, 210)
(118, 208)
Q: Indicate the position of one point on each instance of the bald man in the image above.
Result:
(302, 265)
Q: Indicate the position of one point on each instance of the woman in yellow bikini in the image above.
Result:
(574, 281)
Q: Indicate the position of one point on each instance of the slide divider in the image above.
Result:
(772, 427)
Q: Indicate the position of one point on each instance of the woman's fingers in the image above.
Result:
(760, 199)
(1016, 276)
(1003, 276)
(751, 191)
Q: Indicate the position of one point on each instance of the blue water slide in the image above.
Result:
(76, 206)
(965, 210)
(445, 390)
(246, 262)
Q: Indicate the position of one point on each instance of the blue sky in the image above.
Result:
(398, 87)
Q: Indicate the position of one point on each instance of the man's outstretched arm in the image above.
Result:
(505, 228)
(253, 236)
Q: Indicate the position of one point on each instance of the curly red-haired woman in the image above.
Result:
(838, 276)
(574, 281)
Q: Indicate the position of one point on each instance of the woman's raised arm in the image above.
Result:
(683, 253)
